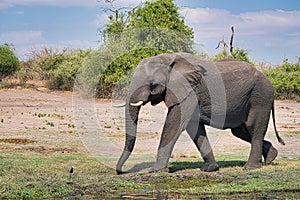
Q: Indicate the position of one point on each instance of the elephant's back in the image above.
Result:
(235, 69)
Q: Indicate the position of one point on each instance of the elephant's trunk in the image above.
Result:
(131, 117)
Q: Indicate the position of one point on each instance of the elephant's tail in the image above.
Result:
(280, 140)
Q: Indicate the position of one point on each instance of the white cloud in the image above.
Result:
(210, 22)
(100, 20)
(204, 15)
(22, 37)
(272, 18)
(82, 44)
(19, 12)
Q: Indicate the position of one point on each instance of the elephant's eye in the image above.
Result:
(152, 86)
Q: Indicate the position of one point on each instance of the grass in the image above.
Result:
(35, 175)
(43, 176)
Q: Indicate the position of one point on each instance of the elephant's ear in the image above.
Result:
(183, 78)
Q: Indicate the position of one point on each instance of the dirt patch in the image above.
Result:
(46, 150)
(294, 132)
(17, 140)
(44, 120)
(288, 126)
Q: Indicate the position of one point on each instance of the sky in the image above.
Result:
(269, 30)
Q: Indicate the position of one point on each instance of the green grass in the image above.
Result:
(35, 175)
(43, 176)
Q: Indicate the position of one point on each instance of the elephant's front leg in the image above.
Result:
(197, 132)
(176, 121)
(170, 134)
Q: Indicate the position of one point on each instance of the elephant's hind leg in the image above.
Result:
(268, 151)
(198, 134)
(242, 133)
(257, 125)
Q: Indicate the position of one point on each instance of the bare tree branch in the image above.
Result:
(223, 43)
(117, 12)
(230, 43)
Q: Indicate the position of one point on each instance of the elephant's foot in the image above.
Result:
(250, 166)
(207, 167)
(269, 152)
(152, 170)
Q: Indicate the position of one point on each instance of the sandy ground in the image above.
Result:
(55, 122)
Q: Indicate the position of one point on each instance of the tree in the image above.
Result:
(118, 20)
(9, 62)
(149, 29)
(156, 23)
(168, 30)
(132, 34)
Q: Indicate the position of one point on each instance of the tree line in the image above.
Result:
(130, 35)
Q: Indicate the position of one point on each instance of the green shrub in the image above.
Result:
(39, 62)
(240, 54)
(150, 29)
(57, 67)
(62, 75)
(118, 72)
(286, 80)
(9, 62)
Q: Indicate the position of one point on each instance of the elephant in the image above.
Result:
(225, 94)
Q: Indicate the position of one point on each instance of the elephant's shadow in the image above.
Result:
(183, 165)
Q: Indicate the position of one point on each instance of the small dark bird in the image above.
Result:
(71, 170)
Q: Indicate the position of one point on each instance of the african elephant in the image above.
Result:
(223, 94)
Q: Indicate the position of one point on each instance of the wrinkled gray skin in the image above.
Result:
(223, 94)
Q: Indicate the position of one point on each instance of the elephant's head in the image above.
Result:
(167, 77)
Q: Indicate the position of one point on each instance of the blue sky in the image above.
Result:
(269, 30)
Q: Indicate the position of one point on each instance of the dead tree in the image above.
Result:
(117, 13)
(231, 40)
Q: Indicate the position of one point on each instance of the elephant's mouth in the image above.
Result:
(154, 103)
(146, 94)
(156, 99)
(142, 103)
(153, 99)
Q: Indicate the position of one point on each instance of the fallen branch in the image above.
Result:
(36, 105)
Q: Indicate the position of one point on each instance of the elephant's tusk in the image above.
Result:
(119, 106)
(137, 104)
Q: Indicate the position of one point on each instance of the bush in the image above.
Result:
(286, 80)
(39, 62)
(62, 75)
(9, 62)
(57, 67)
(240, 54)
(118, 72)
